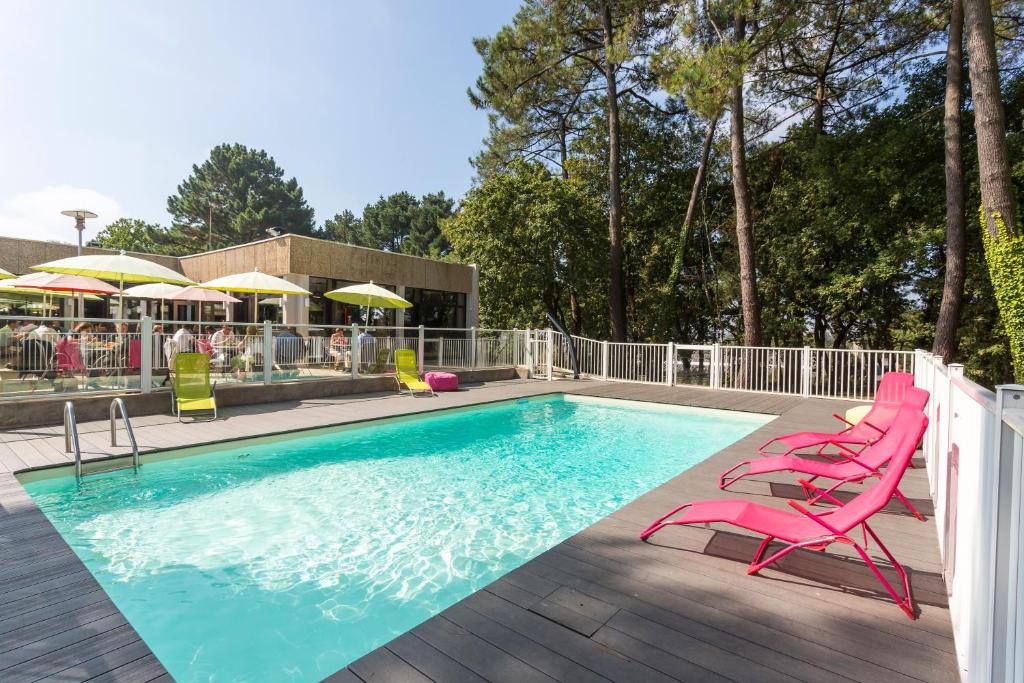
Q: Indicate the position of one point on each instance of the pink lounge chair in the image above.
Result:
(818, 531)
(855, 467)
(888, 399)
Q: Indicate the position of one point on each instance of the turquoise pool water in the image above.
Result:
(286, 559)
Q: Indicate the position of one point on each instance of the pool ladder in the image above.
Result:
(72, 445)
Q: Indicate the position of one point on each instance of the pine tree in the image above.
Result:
(425, 235)
(235, 197)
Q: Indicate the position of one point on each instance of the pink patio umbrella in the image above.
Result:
(203, 296)
(61, 282)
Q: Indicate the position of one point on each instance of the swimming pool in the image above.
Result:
(284, 559)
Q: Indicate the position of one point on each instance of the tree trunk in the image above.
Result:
(691, 208)
(956, 240)
(989, 119)
(563, 148)
(575, 312)
(617, 290)
(744, 224)
(819, 107)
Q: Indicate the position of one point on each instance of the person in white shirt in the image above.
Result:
(221, 338)
(223, 341)
(45, 333)
(183, 338)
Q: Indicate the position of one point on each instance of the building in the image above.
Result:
(443, 294)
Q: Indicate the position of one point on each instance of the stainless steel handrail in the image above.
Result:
(115, 405)
(71, 437)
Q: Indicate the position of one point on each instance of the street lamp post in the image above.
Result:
(79, 215)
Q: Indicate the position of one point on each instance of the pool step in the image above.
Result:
(71, 443)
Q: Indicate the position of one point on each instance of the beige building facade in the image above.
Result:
(443, 294)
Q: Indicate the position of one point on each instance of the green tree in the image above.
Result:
(535, 237)
(386, 223)
(235, 197)
(425, 235)
(344, 227)
(132, 234)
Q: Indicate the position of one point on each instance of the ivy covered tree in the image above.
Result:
(234, 197)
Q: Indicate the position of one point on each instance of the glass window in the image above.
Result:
(434, 308)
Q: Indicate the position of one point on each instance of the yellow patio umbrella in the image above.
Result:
(369, 295)
(254, 282)
(5, 274)
(120, 268)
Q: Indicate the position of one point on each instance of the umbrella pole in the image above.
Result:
(120, 299)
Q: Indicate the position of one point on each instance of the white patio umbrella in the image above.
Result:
(120, 268)
(161, 291)
(254, 282)
(5, 274)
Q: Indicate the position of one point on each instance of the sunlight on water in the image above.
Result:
(284, 561)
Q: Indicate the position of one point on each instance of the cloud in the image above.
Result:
(36, 214)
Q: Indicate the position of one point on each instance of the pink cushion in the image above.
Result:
(442, 381)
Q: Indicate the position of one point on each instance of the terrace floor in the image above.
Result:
(600, 606)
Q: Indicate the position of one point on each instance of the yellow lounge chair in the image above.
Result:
(408, 374)
(192, 389)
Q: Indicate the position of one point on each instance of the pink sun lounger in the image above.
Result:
(854, 468)
(816, 531)
(888, 399)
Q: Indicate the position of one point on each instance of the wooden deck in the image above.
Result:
(600, 606)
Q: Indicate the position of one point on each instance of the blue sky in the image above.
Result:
(106, 105)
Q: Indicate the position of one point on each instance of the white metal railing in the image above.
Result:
(80, 355)
(974, 453)
(850, 374)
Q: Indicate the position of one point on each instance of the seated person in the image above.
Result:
(45, 333)
(338, 349)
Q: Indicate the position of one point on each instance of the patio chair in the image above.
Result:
(37, 360)
(805, 529)
(888, 399)
(855, 468)
(191, 390)
(408, 374)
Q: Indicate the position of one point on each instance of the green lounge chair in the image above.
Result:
(408, 374)
(192, 389)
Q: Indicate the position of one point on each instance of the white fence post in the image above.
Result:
(353, 345)
(146, 349)
(604, 360)
(268, 352)
(670, 363)
(1006, 491)
(419, 351)
(805, 372)
(716, 366)
(551, 354)
(515, 348)
(528, 355)
(472, 347)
